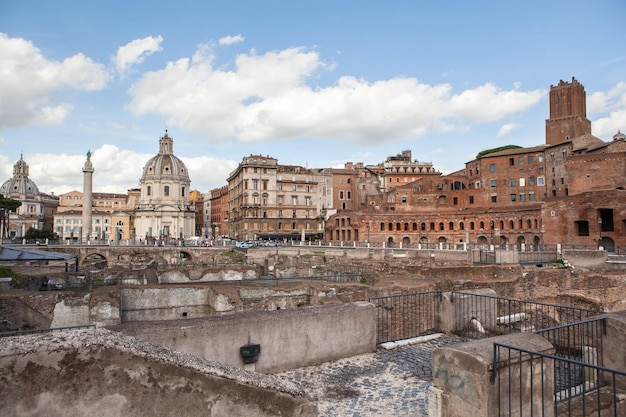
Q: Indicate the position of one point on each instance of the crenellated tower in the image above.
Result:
(568, 112)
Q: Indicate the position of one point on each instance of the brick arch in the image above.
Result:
(82, 258)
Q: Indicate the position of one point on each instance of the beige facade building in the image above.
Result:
(111, 217)
(272, 201)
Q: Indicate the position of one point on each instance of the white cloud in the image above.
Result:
(610, 107)
(229, 40)
(136, 51)
(30, 81)
(506, 129)
(272, 96)
(115, 170)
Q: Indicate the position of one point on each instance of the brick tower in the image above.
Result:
(568, 112)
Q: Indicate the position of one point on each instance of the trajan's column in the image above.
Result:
(87, 199)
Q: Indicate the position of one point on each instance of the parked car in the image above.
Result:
(246, 244)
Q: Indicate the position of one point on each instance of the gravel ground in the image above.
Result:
(391, 382)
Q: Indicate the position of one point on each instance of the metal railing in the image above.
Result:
(582, 341)
(405, 316)
(479, 316)
(539, 384)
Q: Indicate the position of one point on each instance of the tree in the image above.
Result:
(7, 205)
(33, 233)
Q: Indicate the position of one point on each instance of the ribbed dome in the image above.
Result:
(20, 183)
(619, 136)
(165, 163)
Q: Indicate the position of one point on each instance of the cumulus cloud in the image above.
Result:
(115, 170)
(136, 51)
(229, 40)
(609, 107)
(30, 80)
(506, 129)
(273, 96)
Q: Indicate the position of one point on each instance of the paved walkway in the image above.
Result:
(389, 383)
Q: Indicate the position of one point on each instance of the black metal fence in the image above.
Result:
(479, 315)
(405, 316)
(539, 384)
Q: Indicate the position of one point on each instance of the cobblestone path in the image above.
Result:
(391, 383)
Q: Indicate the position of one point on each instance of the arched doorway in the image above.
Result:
(482, 240)
(521, 240)
(406, 242)
(442, 240)
(608, 244)
(424, 240)
(390, 242)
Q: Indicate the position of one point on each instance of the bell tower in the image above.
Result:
(568, 112)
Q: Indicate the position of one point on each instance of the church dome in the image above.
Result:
(20, 183)
(165, 163)
(619, 136)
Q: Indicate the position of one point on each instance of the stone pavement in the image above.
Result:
(391, 383)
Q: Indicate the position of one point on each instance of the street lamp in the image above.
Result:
(368, 234)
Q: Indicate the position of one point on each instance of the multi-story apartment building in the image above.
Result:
(569, 190)
(219, 212)
(272, 201)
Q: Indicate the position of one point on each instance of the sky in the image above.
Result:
(311, 83)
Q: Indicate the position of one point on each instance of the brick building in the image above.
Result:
(570, 190)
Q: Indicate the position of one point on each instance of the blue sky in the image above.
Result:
(311, 83)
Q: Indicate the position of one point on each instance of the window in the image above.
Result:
(492, 168)
(522, 182)
(512, 182)
(531, 159)
(541, 181)
(149, 190)
(511, 161)
(531, 181)
(582, 228)
(513, 197)
(471, 199)
(441, 226)
(341, 195)
(540, 157)
(166, 191)
(522, 197)
(520, 160)
(455, 200)
(492, 183)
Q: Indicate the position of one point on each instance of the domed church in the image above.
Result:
(36, 210)
(163, 210)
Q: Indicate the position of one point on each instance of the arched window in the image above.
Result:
(382, 227)
(462, 226)
(423, 226)
(451, 226)
(414, 226)
(441, 226)
(149, 190)
(511, 224)
(166, 191)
